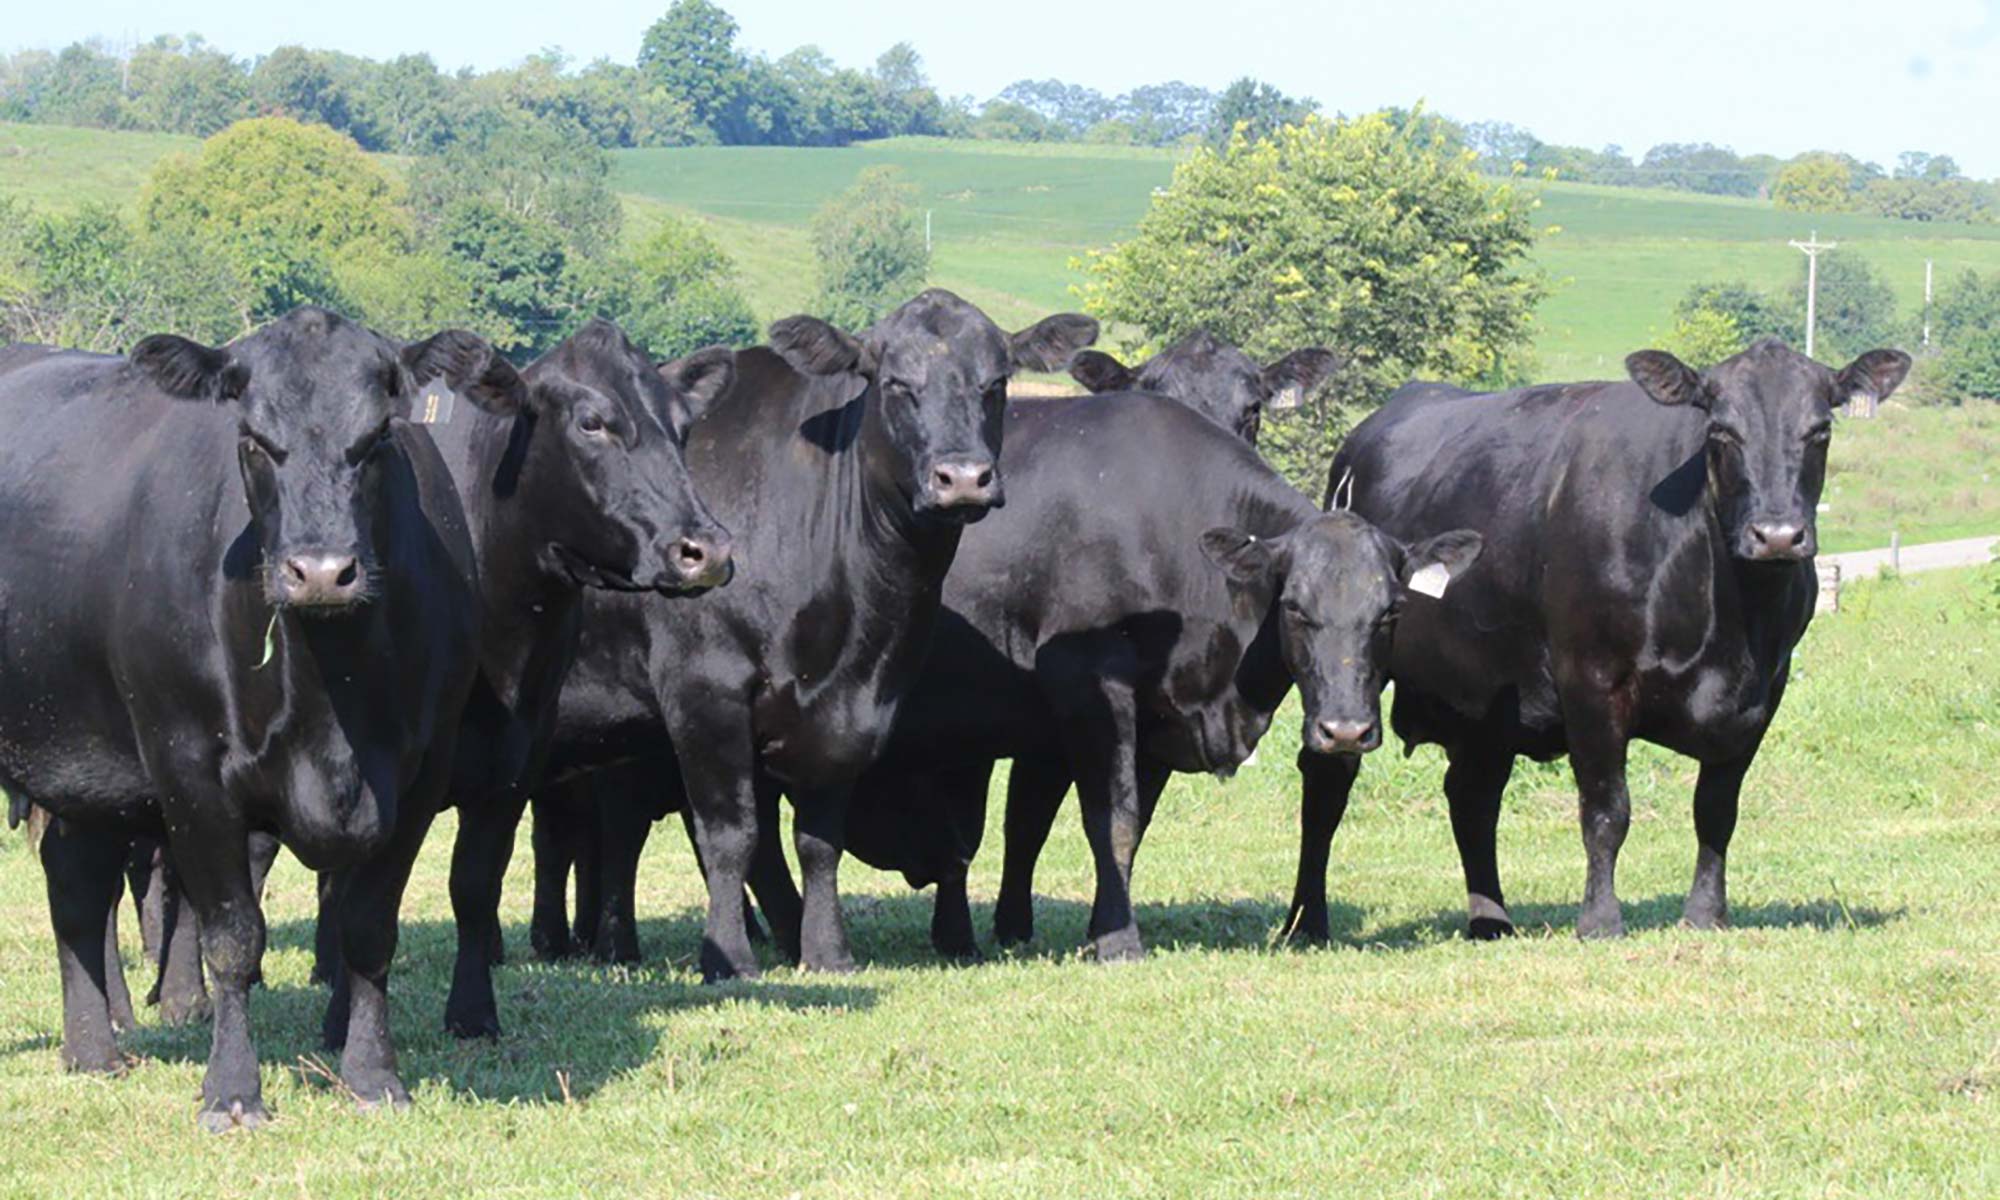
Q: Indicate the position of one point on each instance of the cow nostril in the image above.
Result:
(986, 477)
(691, 553)
(295, 571)
(946, 479)
(348, 574)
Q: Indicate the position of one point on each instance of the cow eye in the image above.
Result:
(261, 447)
(1819, 435)
(898, 390)
(1722, 435)
(592, 424)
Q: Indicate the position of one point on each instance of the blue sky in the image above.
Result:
(1760, 75)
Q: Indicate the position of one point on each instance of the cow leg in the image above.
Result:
(771, 880)
(819, 836)
(1597, 757)
(485, 842)
(760, 882)
(554, 839)
(81, 867)
(589, 849)
(326, 968)
(181, 992)
(1474, 785)
(623, 825)
(1716, 793)
(145, 873)
(1325, 781)
(962, 793)
(116, 992)
(718, 771)
(1095, 708)
(1035, 791)
(211, 854)
(370, 897)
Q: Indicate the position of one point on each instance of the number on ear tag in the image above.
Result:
(434, 405)
(1431, 581)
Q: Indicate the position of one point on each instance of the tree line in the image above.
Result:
(693, 83)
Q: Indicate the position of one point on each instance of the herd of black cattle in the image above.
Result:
(844, 569)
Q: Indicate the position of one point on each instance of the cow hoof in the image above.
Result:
(379, 1093)
(717, 968)
(1308, 929)
(1122, 946)
(1705, 917)
(1016, 931)
(1489, 929)
(95, 1062)
(841, 965)
(1598, 926)
(551, 949)
(238, 1114)
(960, 955)
(472, 1025)
(186, 1012)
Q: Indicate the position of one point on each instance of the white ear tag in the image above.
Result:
(434, 405)
(1431, 581)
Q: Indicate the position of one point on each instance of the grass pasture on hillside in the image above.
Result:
(52, 166)
(1841, 1041)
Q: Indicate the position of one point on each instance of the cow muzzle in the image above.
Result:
(696, 563)
(320, 582)
(1336, 735)
(966, 486)
(1777, 541)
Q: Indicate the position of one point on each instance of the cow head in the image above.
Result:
(1338, 585)
(939, 370)
(316, 396)
(1770, 418)
(1210, 376)
(593, 468)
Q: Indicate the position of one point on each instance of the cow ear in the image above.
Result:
(189, 370)
(1301, 370)
(815, 347)
(1099, 372)
(1243, 557)
(1048, 343)
(696, 383)
(1666, 379)
(1875, 375)
(470, 366)
(1431, 565)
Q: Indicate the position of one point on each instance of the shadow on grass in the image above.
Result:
(569, 1028)
(1658, 912)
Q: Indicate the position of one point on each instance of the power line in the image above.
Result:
(1812, 247)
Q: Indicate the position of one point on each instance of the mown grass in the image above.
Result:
(1926, 474)
(1841, 1041)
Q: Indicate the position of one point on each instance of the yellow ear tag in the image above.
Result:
(435, 405)
(1431, 581)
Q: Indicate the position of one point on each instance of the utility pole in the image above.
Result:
(1927, 302)
(927, 231)
(1811, 247)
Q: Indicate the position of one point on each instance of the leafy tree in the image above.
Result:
(1856, 309)
(305, 85)
(1701, 167)
(1966, 329)
(88, 280)
(1258, 107)
(1925, 199)
(1703, 337)
(1971, 369)
(691, 54)
(675, 294)
(185, 86)
(537, 171)
(278, 201)
(405, 106)
(1917, 164)
(1167, 113)
(1376, 240)
(83, 87)
(1814, 183)
(869, 246)
(1754, 314)
(516, 271)
(1006, 121)
(1070, 106)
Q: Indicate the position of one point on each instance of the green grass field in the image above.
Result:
(1841, 1041)
(55, 167)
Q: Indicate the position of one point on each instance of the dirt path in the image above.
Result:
(1932, 556)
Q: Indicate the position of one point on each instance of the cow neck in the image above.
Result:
(1751, 605)
(529, 613)
(1262, 678)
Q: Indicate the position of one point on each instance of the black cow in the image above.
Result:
(1087, 639)
(847, 469)
(238, 594)
(583, 486)
(1218, 380)
(1648, 570)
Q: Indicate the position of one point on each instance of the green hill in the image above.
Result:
(56, 167)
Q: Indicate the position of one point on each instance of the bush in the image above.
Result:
(870, 249)
(1704, 337)
(1370, 236)
(675, 294)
